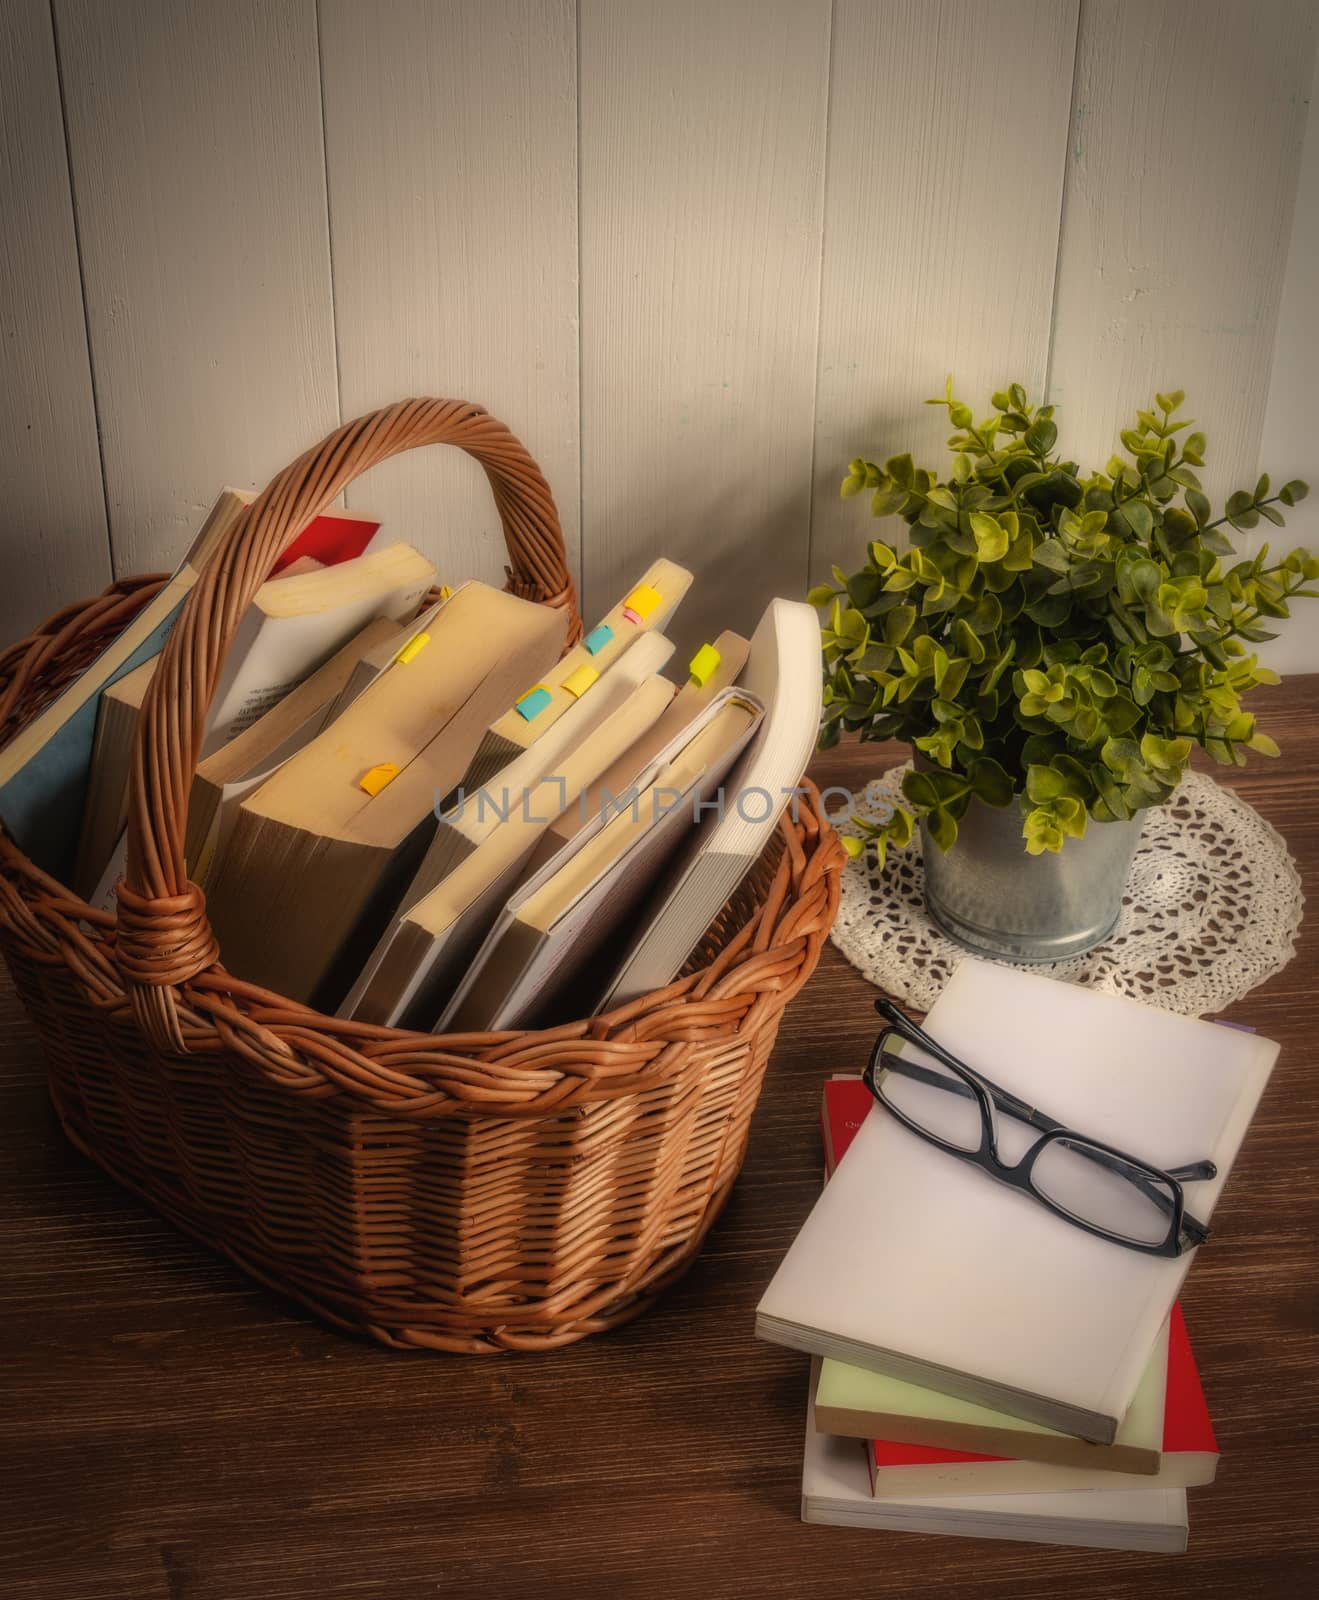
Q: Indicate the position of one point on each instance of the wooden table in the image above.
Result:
(170, 1430)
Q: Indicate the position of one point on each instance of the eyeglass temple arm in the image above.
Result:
(1000, 1096)
(1195, 1171)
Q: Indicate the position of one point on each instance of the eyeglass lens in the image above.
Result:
(1077, 1177)
(1104, 1191)
(931, 1096)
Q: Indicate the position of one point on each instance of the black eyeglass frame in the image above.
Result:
(1185, 1232)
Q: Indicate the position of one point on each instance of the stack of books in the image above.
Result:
(982, 1366)
(426, 813)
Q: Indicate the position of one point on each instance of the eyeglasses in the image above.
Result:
(1091, 1185)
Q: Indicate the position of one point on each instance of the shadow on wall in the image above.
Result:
(739, 565)
(842, 528)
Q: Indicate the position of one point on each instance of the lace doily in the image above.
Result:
(1211, 910)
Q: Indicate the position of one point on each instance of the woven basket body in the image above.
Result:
(466, 1192)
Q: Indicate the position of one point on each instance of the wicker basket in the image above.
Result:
(471, 1192)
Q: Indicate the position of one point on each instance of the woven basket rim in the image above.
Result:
(303, 1052)
(781, 920)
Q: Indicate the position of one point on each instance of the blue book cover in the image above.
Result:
(42, 803)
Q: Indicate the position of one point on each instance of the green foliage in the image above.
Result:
(1058, 639)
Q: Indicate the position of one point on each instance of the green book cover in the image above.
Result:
(868, 1405)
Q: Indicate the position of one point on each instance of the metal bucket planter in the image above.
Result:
(992, 897)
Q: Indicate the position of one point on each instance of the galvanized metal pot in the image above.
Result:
(992, 897)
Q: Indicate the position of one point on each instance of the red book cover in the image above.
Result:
(847, 1103)
(1186, 1423)
(329, 539)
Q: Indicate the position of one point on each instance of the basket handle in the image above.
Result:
(163, 937)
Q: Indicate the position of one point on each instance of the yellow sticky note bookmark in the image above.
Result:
(579, 680)
(378, 778)
(413, 648)
(703, 665)
(641, 602)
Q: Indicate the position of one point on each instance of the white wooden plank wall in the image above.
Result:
(52, 541)
(1188, 118)
(941, 228)
(702, 168)
(697, 254)
(199, 181)
(1288, 448)
(451, 150)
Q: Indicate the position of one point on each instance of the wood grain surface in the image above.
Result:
(169, 1431)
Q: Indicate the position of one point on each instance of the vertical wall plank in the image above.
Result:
(1289, 447)
(702, 148)
(52, 511)
(947, 126)
(451, 138)
(199, 179)
(1187, 127)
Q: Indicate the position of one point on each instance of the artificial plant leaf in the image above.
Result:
(991, 537)
(1140, 519)
(1050, 610)
(901, 469)
(954, 676)
(968, 641)
(1041, 832)
(942, 826)
(1121, 757)
(1071, 815)
(887, 500)
(1043, 784)
(898, 623)
(1020, 555)
(990, 782)
(1041, 436)
(919, 789)
(863, 588)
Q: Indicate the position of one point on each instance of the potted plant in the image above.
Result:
(1052, 644)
